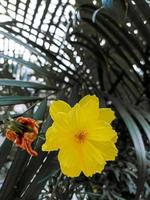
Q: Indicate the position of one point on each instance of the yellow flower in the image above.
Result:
(83, 135)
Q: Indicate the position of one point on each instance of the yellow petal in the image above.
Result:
(96, 124)
(74, 118)
(108, 150)
(81, 118)
(69, 161)
(59, 107)
(52, 140)
(61, 122)
(92, 160)
(89, 109)
(88, 98)
(63, 125)
(107, 114)
(102, 134)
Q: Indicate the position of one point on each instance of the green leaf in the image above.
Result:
(27, 46)
(25, 84)
(141, 120)
(138, 144)
(49, 166)
(39, 115)
(41, 110)
(17, 166)
(117, 11)
(39, 70)
(4, 151)
(146, 115)
(12, 100)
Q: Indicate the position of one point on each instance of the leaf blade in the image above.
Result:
(13, 100)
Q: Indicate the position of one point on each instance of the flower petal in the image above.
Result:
(108, 150)
(88, 98)
(92, 160)
(63, 125)
(59, 107)
(75, 119)
(106, 114)
(103, 134)
(89, 108)
(96, 124)
(69, 161)
(52, 140)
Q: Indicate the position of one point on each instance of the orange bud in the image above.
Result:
(11, 135)
(24, 139)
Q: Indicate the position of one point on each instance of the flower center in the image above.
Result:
(81, 136)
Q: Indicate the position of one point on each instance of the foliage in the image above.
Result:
(99, 51)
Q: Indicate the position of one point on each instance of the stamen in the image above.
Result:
(81, 136)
